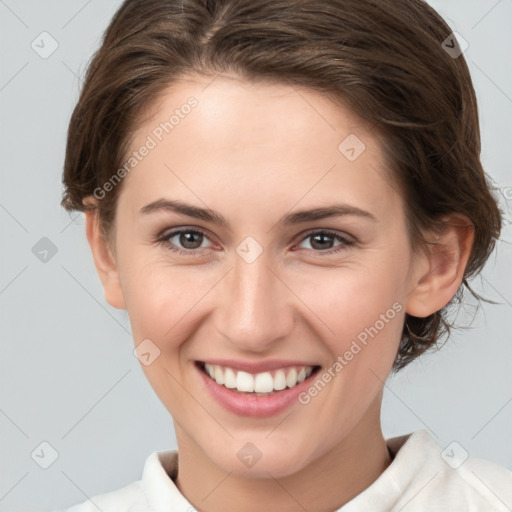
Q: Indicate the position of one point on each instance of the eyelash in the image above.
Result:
(164, 240)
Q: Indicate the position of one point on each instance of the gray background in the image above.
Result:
(68, 376)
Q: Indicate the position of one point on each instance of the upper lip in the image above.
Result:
(256, 367)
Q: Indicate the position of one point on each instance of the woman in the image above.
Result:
(286, 197)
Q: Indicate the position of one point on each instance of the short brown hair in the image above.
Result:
(384, 59)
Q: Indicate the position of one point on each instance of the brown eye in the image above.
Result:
(184, 241)
(322, 241)
(189, 239)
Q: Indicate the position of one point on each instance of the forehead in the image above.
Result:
(229, 110)
(225, 140)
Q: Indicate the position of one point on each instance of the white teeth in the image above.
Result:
(260, 383)
(244, 382)
(279, 380)
(291, 378)
(219, 375)
(263, 383)
(229, 378)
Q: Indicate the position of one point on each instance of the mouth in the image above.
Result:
(259, 384)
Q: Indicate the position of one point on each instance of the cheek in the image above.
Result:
(162, 303)
(351, 300)
(161, 299)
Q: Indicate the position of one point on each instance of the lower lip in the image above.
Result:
(254, 406)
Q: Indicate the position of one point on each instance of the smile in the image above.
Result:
(264, 383)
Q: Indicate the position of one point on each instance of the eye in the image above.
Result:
(322, 240)
(189, 239)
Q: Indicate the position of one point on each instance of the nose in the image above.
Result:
(255, 307)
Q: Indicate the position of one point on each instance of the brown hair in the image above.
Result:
(384, 59)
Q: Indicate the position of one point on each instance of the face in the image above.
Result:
(265, 290)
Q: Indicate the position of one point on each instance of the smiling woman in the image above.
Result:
(284, 244)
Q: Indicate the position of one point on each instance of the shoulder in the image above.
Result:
(448, 478)
(483, 479)
(125, 499)
(138, 496)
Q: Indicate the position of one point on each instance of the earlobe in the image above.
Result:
(440, 272)
(104, 260)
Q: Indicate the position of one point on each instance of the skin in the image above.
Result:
(254, 152)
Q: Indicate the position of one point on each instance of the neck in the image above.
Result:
(326, 484)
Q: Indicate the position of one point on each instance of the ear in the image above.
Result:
(439, 273)
(104, 258)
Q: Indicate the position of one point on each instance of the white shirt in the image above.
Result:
(422, 477)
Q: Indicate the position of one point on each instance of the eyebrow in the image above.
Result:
(298, 217)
